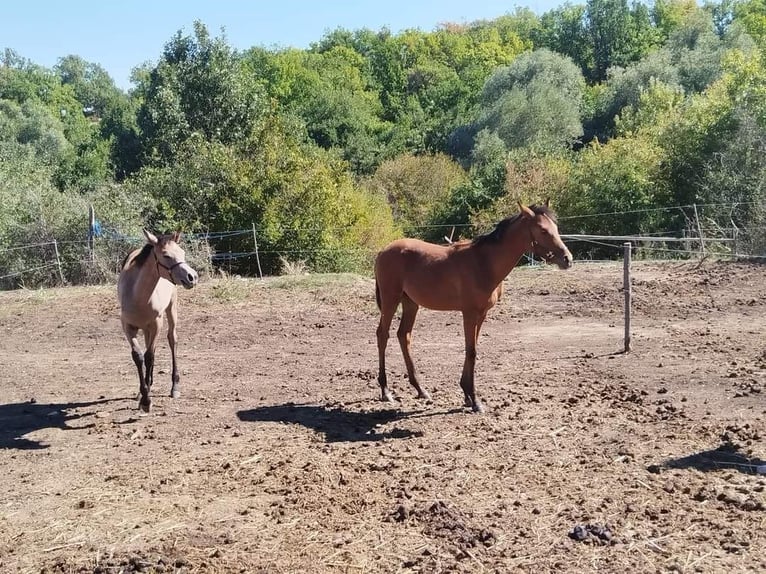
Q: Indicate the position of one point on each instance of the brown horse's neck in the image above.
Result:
(502, 256)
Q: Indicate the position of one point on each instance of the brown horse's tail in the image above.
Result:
(377, 293)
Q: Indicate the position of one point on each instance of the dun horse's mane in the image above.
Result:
(498, 232)
(143, 255)
(139, 259)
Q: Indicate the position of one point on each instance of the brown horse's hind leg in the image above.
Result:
(131, 333)
(471, 326)
(387, 309)
(404, 334)
(172, 315)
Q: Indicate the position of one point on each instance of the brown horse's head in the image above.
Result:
(546, 242)
(172, 259)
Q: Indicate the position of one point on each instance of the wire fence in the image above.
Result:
(95, 259)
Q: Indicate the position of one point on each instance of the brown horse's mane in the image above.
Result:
(498, 232)
(141, 258)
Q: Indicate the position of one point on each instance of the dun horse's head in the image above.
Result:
(546, 242)
(171, 259)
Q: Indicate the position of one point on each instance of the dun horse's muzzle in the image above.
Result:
(186, 276)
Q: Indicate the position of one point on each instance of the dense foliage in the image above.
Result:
(640, 111)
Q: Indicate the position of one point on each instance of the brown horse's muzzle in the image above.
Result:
(564, 261)
(561, 257)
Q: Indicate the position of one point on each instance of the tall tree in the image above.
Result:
(198, 86)
(620, 34)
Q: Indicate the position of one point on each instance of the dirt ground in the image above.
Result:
(279, 457)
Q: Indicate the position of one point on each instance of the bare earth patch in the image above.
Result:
(278, 457)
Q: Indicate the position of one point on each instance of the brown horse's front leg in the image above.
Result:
(471, 326)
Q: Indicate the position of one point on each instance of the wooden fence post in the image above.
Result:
(627, 289)
(58, 261)
(699, 230)
(257, 257)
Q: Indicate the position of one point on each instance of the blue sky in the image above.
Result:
(121, 34)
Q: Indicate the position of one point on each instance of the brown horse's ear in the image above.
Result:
(547, 202)
(150, 237)
(525, 211)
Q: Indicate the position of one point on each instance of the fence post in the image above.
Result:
(91, 235)
(699, 230)
(257, 258)
(58, 261)
(627, 289)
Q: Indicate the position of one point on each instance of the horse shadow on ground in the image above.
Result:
(337, 424)
(725, 456)
(19, 419)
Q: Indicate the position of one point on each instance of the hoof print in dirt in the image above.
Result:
(400, 514)
(592, 534)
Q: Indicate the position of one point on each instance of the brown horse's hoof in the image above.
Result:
(424, 395)
(387, 398)
(478, 407)
(145, 406)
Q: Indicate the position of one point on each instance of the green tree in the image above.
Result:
(620, 34)
(669, 15)
(623, 178)
(535, 102)
(198, 86)
(92, 85)
(564, 30)
(416, 187)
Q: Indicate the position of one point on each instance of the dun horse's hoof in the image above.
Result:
(424, 395)
(478, 407)
(145, 406)
(175, 393)
(387, 398)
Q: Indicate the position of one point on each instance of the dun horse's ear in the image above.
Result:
(525, 211)
(150, 237)
(176, 236)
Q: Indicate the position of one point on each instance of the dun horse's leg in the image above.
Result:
(471, 327)
(404, 334)
(387, 311)
(131, 333)
(150, 338)
(172, 315)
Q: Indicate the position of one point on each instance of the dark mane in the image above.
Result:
(498, 232)
(140, 258)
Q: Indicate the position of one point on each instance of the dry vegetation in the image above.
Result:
(279, 458)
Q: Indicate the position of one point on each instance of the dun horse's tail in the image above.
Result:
(377, 293)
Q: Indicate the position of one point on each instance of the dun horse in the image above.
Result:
(147, 289)
(465, 276)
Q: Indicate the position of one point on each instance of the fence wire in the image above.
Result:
(703, 229)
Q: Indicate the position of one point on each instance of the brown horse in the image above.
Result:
(465, 276)
(147, 289)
